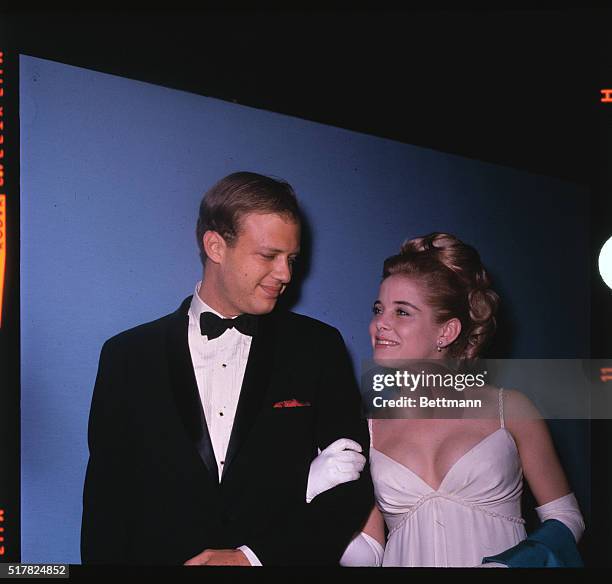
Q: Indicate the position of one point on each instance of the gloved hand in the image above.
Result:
(339, 463)
(363, 550)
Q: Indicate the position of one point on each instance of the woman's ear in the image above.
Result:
(450, 331)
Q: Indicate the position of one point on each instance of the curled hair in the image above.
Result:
(225, 204)
(456, 286)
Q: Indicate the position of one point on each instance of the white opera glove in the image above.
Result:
(363, 550)
(564, 509)
(339, 463)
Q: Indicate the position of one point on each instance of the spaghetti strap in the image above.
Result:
(370, 431)
(501, 407)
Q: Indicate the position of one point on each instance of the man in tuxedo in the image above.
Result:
(205, 424)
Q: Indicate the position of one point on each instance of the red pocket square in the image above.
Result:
(290, 403)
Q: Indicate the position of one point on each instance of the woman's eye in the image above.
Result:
(376, 309)
(401, 312)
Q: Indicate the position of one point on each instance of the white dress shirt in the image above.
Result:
(219, 365)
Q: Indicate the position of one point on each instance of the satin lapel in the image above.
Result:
(256, 379)
(185, 388)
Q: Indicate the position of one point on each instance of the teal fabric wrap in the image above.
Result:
(551, 545)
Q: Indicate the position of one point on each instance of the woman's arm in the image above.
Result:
(539, 459)
(553, 543)
(540, 462)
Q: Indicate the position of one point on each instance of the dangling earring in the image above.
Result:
(439, 345)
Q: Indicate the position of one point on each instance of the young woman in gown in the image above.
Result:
(449, 490)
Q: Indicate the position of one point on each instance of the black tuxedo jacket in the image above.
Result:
(152, 493)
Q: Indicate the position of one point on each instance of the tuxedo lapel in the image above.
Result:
(256, 380)
(185, 388)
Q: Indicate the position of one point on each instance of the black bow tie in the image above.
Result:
(214, 326)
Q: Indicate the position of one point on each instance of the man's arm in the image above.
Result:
(318, 532)
(103, 533)
(339, 463)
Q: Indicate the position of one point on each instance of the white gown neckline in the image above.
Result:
(454, 465)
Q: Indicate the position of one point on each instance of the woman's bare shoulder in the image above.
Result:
(518, 406)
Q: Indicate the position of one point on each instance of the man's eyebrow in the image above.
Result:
(276, 250)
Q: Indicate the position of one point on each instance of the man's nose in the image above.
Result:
(282, 270)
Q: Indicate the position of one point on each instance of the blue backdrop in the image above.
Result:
(112, 172)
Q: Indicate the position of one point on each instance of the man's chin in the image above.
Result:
(263, 307)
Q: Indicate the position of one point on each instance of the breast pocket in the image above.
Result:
(284, 428)
(290, 413)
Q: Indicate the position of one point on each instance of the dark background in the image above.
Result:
(514, 87)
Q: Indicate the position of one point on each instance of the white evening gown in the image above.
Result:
(475, 512)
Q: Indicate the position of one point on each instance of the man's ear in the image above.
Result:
(450, 331)
(214, 246)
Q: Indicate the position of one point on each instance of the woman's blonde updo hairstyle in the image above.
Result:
(456, 285)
